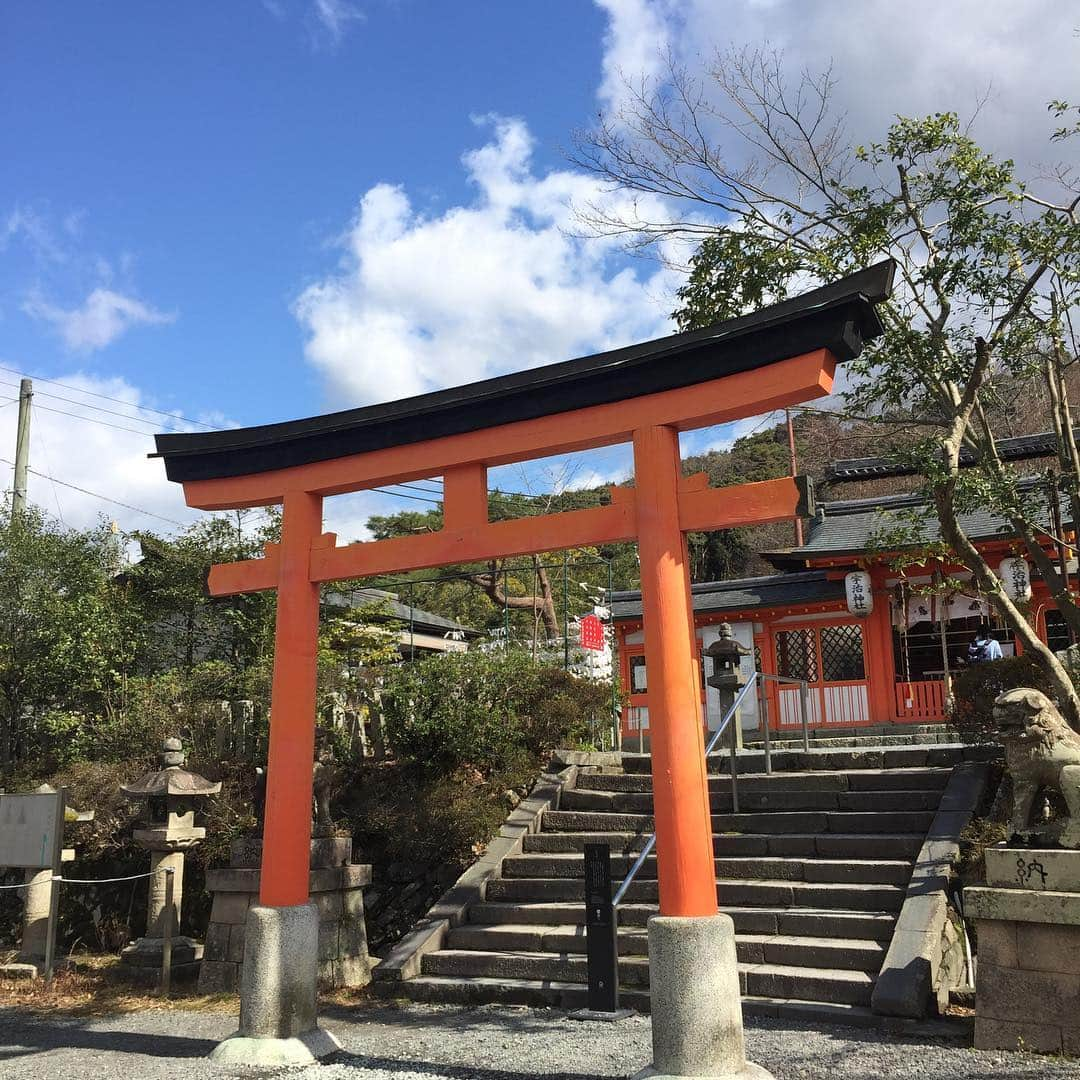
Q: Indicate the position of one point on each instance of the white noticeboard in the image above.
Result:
(31, 830)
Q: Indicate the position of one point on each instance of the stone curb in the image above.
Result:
(451, 909)
(1022, 905)
(597, 759)
(906, 985)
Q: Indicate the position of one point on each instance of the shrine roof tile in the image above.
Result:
(744, 594)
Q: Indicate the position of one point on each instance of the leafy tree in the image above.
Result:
(988, 273)
(487, 709)
(524, 588)
(168, 587)
(67, 634)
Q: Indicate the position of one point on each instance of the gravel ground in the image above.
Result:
(489, 1043)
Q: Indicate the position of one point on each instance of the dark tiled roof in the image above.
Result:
(395, 609)
(856, 526)
(742, 594)
(1019, 448)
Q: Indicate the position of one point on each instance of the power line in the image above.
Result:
(48, 465)
(87, 405)
(94, 420)
(105, 397)
(97, 495)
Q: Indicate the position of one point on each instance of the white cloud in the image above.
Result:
(335, 17)
(32, 228)
(103, 317)
(423, 301)
(75, 442)
(635, 44)
(931, 57)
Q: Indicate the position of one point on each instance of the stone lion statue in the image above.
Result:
(1041, 751)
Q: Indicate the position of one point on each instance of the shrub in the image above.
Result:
(977, 688)
(486, 709)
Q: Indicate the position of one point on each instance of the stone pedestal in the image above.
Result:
(277, 999)
(1027, 921)
(166, 847)
(36, 916)
(337, 894)
(697, 1027)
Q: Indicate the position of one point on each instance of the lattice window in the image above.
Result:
(842, 653)
(796, 654)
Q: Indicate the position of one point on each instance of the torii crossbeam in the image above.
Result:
(645, 394)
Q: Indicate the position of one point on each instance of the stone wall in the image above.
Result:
(1027, 922)
(1029, 987)
(336, 891)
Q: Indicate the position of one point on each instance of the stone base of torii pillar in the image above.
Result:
(696, 1006)
(278, 1023)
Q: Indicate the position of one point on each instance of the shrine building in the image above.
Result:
(877, 646)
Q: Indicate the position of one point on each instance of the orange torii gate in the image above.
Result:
(645, 394)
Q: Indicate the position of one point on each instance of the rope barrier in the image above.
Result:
(21, 885)
(109, 880)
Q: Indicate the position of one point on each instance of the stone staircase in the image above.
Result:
(911, 735)
(813, 870)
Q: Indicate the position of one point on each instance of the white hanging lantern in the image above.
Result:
(860, 597)
(1016, 578)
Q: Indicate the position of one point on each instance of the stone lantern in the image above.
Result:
(171, 794)
(726, 654)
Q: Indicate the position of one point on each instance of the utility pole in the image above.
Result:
(22, 448)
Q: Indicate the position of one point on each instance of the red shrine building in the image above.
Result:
(876, 645)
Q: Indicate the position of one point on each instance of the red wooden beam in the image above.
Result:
(477, 540)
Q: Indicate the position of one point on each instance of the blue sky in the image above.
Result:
(251, 211)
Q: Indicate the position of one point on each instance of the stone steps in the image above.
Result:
(852, 897)
(769, 980)
(805, 845)
(571, 995)
(830, 759)
(853, 954)
(866, 871)
(788, 741)
(769, 799)
(799, 922)
(812, 870)
(860, 780)
(840, 822)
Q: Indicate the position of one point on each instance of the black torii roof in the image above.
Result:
(839, 316)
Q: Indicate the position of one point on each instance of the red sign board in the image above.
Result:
(592, 632)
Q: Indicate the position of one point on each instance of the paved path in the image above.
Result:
(489, 1043)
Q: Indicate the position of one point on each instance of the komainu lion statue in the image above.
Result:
(1042, 752)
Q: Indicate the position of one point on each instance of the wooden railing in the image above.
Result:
(920, 700)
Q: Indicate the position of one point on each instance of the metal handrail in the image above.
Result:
(647, 850)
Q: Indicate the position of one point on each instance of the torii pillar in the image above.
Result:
(646, 394)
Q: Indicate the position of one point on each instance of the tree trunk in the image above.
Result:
(543, 603)
(990, 585)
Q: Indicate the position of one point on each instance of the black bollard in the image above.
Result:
(601, 931)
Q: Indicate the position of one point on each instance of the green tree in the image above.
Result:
(527, 590)
(68, 636)
(185, 626)
(988, 273)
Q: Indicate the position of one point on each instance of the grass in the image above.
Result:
(100, 986)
